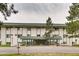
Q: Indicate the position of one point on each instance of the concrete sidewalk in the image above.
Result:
(39, 49)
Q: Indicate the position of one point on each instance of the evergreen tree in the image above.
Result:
(49, 27)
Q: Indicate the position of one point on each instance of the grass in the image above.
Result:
(5, 46)
(47, 54)
(76, 45)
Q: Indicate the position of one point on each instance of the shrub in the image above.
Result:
(8, 43)
(76, 45)
(0, 42)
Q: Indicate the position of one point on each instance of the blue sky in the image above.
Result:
(39, 12)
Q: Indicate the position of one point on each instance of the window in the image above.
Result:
(38, 35)
(65, 35)
(7, 28)
(63, 28)
(19, 35)
(28, 29)
(28, 35)
(56, 28)
(15, 34)
(11, 34)
(64, 42)
(8, 35)
(18, 28)
(75, 40)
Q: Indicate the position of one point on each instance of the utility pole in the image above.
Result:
(18, 48)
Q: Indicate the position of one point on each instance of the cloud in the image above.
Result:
(38, 12)
(42, 8)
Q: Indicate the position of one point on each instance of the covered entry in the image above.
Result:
(33, 40)
(41, 42)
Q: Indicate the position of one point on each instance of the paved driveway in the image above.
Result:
(40, 49)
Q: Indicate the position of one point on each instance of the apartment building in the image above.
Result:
(12, 33)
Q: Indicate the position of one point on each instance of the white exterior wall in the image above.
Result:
(64, 38)
(71, 40)
(68, 41)
(38, 30)
(61, 34)
(8, 39)
(0, 35)
(14, 37)
(74, 40)
(56, 32)
(77, 40)
(24, 32)
(3, 36)
(20, 31)
(19, 40)
(42, 31)
(8, 31)
(33, 32)
(65, 31)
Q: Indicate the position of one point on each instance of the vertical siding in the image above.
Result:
(8, 32)
(24, 32)
(42, 31)
(20, 31)
(33, 32)
(56, 32)
(61, 34)
(3, 36)
(14, 37)
(38, 30)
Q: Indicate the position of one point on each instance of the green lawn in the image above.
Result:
(5, 46)
(53, 54)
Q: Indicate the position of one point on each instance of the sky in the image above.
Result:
(39, 12)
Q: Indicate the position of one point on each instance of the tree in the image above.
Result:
(6, 9)
(72, 27)
(49, 27)
(74, 12)
(73, 22)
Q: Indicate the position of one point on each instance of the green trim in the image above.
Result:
(36, 25)
(32, 38)
(55, 37)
